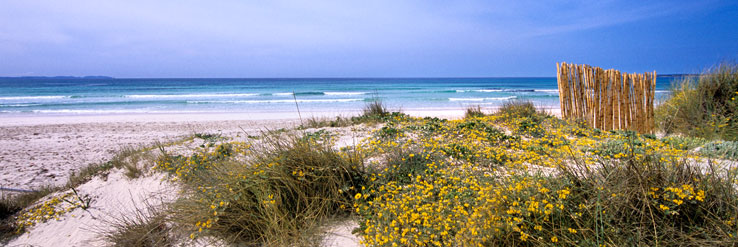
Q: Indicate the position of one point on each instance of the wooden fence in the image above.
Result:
(607, 99)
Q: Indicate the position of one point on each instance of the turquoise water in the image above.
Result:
(120, 96)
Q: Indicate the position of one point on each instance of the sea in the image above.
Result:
(80, 96)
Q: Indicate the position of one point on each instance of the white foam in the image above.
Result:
(465, 99)
(18, 105)
(344, 93)
(70, 111)
(282, 94)
(482, 99)
(33, 97)
(190, 95)
(271, 101)
(501, 98)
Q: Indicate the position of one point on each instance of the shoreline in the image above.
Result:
(28, 119)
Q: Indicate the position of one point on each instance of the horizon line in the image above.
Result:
(252, 78)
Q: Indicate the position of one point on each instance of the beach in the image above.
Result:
(40, 150)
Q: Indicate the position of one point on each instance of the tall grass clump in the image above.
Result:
(705, 107)
(473, 111)
(375, 108)
(144, 227)
(646, 201)
(276, 194)
(375, 111)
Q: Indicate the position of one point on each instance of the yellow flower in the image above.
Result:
(358, 196)
(554, 239)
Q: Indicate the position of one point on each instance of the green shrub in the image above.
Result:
(721, 149)
(683, 142)
(403, 165)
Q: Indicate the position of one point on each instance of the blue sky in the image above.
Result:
(345, 38)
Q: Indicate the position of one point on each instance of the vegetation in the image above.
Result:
(473, 111)
(145, 227)
(375, 109)
(721, 149)
(286, 185)
(705, 108)
(18, 212)
(466, 183)
(515, 177)
(374, 112)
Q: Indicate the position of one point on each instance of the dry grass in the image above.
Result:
(473, 111)
(705, 107)
(147, 226)
(276, 196)
(12, 204)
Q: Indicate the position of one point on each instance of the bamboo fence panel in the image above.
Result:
(606, 99)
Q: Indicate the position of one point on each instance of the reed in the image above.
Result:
(607, 99)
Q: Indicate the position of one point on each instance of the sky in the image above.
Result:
(345, 38)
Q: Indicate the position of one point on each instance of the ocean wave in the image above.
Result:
(482, 99)
(71, 111)
(190, 95)
(509, 90)
(34, 97)
(344, 93)
(465, 99)
(442, 91)
(309, 93)
(270, 101)
(18, 105)
(320, 93)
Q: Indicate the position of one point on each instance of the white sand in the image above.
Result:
(44, 150)
(112, 198)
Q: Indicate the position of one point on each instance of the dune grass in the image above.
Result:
(705, 107)
(374, 111)
(277, 195)
(130, 159)
(473, 111)
(145, 227)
